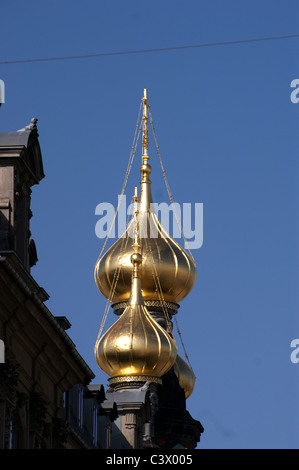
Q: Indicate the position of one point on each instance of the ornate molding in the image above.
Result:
(38, 409)
(120, 306)
(9, 376)
(134, 378)
(130, 420)
(32, 126)
(61, 431)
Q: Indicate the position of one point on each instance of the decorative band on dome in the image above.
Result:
(119, 307)
(134, 378)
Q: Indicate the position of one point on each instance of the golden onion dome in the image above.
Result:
(166, 267)
(185, 375)
(135, 347)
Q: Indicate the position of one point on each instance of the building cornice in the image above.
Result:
(26, 283)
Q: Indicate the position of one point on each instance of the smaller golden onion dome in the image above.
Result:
(135, 347)
(185, 375)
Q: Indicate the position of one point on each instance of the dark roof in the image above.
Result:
(14, 139)
(26, 140)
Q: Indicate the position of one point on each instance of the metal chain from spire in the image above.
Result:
(182, 232)
(117, 272)
(164, 307)
(113, 287)
(130, 162)
(183, 345)
(158, 286)
(168, 188)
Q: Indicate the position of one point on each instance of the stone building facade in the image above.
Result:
(46, 400)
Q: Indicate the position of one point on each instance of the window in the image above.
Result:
(95, 425)
(11, 441)
(80, 406)
(65, 403)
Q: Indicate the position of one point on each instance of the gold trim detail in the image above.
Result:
(148, 303)
(134, 378)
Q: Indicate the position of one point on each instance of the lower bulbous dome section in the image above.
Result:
(135, 345)
(185, 375)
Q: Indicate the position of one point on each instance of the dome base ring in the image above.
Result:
(134, 378)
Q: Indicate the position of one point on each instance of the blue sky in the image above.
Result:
(228, 136)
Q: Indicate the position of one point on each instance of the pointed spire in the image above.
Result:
(145, 169)
(136, 260)
(145, 126)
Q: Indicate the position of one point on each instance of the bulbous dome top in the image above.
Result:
(166, 265)
(185, 375)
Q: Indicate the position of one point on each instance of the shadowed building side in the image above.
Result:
(46, 399)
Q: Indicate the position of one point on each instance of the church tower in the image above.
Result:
(146, 273)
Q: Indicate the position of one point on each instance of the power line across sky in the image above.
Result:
(144, 51)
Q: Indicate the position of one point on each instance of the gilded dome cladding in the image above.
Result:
(185, 375)
(145, 264)
(135, 345)
(162, 257)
